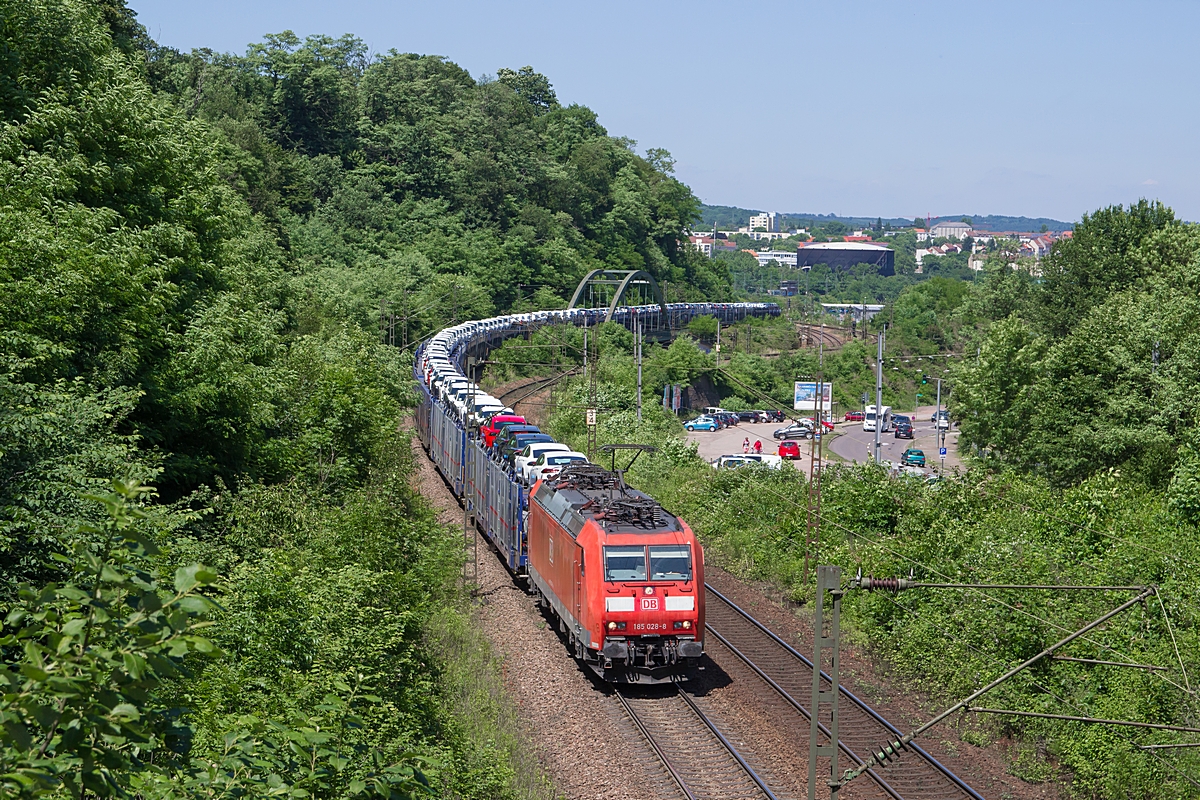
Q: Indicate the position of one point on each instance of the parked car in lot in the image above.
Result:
(751, 459)
(903, 430)
(797, 430)
(774, 415)
(789, 449)
(826, 425)
(726, 418)
(702, 423)
(913, 458)
(854, 416)
(752, 416)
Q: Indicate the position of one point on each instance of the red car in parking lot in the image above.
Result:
(854, 416)
(789, 449)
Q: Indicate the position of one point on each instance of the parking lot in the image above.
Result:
(728, 441)
(848, 443)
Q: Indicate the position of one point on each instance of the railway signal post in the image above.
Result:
(829, 579)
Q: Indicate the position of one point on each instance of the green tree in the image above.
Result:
(1083, 271)
(995, 399)
(532, 87)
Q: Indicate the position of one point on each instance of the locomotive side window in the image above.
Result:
(671, 563)
(625, 563)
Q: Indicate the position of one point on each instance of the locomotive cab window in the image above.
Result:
(671, 563)
(625, 563)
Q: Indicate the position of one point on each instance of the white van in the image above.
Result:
(885, 416)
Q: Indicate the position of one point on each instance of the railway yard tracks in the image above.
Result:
(701, 761)
(913, 773)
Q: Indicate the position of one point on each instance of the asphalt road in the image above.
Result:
(855, 444)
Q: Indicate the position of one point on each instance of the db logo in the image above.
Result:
(649, 604)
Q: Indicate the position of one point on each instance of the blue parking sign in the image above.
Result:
(942, 452)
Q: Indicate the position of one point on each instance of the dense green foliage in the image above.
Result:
(1093, 366)
(402, 178)
(172, 313)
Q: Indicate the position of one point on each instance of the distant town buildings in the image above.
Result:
(936, 250)
(950, 230)
(703, 243)
(767, 256)
(859, 246)
(765, 236)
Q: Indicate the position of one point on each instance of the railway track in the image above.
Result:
(912, 774)
(829, 338)
(701, 761)
(520, 393)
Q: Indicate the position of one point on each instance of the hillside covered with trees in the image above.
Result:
(216, 579)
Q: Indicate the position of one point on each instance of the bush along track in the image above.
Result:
(283, 616)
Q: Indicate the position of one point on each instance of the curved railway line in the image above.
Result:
(529, 387)
(701, 761)
(829, 338)
(911, 774)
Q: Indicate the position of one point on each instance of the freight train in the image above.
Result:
(623, 577)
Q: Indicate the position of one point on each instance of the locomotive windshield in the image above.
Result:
(667, 563)
(672, 563)
(625, 563)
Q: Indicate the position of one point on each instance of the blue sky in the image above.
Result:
(854, 108)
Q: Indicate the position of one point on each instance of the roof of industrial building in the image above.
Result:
(845, 246)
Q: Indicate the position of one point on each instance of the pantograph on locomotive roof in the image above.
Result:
(604, 494)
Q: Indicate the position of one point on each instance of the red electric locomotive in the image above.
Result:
(624, 577)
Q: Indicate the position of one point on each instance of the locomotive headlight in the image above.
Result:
(687, 624)
(612, 626)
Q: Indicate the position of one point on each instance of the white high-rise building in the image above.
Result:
(768, 221)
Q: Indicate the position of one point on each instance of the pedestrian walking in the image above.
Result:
(746, 445)
(758, 447)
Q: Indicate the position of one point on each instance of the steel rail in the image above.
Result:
(883, 784)
(666, 762)
(912, 745)
(712, 728)
(733, 751)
